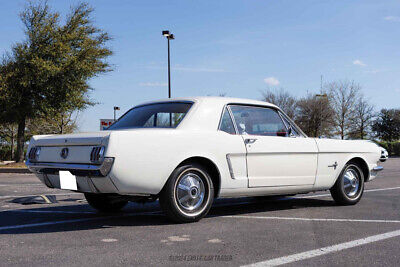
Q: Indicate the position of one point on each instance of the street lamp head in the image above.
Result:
(169, 36)
(116, 108)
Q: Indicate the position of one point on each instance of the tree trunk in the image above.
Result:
(12, 143)
(19, 157)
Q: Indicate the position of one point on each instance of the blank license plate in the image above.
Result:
(68, 180)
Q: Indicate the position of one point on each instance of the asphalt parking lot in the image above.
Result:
(304, 229)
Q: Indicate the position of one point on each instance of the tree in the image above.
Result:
(387, 125)
(8, 134)
(362, 119)
(282, 99)
(58, 123)
(50, 70)
(343, 97)
(315, 115)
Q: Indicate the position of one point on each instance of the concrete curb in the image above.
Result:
(14, 170)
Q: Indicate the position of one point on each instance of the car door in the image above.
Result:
(275, 157)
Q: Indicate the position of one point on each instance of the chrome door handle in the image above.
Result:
(250, 140)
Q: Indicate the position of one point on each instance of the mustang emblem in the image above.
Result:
(334, 165)
(64, 153)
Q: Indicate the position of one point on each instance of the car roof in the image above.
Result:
(215, 100)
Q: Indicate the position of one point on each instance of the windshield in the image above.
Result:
(159, 115)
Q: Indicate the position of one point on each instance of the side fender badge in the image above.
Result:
(333, 165)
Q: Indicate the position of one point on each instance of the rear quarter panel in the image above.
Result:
(145, 158)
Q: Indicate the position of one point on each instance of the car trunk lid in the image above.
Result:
(81, 139)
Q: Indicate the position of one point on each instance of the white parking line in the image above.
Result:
(54, 211)
(310, 219)
(22, 185)
(325, 250)
(21, 226)
(59, 194)
(365, 191)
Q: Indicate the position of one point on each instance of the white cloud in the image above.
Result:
(153, 84)
(272, 81)
(392, 18)
(359, 63)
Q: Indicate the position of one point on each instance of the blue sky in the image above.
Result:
(235, 47)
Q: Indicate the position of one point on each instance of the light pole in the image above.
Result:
(115, 113)
(169, 36)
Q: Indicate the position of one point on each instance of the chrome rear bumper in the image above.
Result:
(77, 169)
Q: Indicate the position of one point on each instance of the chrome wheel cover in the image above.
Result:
(351, 182)
(190, 191)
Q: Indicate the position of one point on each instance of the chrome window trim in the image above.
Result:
(157, 103)
(297, 128)
(226, 108)
(252, 106)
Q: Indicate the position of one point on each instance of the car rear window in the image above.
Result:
(159, 115)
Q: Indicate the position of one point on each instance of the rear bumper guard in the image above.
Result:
(76, 169)
(377, 169)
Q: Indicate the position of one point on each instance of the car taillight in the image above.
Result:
(34, 153)
(97, 154)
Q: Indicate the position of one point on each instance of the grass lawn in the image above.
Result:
(14, 165)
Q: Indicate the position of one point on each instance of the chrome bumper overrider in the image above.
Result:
(78, 169)
(377, 168)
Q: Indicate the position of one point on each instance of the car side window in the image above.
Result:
(226, 124)
(163, 120)
(258, 121)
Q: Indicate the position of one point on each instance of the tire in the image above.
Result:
(188, 194)
(349, 186)
(105, 202)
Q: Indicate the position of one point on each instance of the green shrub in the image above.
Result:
(5, 153)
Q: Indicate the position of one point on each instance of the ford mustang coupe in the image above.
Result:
(188, 151)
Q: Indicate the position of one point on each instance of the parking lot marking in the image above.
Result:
(310, 219)
(54, 211)
(58, 194)
(21, 226)
(365, 191)
(325, 250)
(21, 185)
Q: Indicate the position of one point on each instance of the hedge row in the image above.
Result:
(5, 152)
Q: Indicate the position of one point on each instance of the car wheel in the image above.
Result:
(188, 194)
(105, 202)
(349, 187)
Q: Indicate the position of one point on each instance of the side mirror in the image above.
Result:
(290, 131)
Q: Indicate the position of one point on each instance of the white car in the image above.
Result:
(384, 155)
(188, 151)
